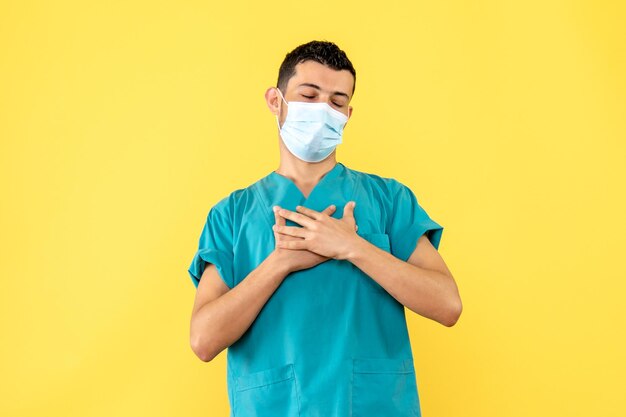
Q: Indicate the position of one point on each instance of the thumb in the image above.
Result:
(348, 210)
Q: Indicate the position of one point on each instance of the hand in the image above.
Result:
(296, 260)
(320, 233)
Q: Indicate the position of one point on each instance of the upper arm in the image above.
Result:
(409, 225)
(210, 287)
(215, 247)
(426, 256)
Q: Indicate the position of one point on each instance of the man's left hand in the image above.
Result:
(321, 233)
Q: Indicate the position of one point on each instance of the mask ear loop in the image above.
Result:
(281, 96)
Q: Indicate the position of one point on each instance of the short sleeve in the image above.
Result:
(215, 246)
(408, 222)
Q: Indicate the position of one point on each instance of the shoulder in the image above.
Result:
(236, 203)
(227, 204)
(387, 186)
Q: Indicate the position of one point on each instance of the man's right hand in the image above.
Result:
(294, 259)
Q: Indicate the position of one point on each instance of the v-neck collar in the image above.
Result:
(276, 189)
(328, 176)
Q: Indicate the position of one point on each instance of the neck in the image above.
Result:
(302, 172)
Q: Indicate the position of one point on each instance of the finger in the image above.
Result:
(329, 210)
(300, 244)
(276, 222)
(301, 219)
(291, 230)
(308, 212)
(280, 221)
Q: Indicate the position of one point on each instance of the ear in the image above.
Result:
(349, 114)
(272, 100)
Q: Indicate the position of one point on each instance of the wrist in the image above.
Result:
(356, 249)
(278, 263)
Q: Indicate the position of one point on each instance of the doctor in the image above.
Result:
(304, 274)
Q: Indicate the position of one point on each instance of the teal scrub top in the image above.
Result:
(330, 341)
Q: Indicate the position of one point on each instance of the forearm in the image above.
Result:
(429, 293)
(224, 320)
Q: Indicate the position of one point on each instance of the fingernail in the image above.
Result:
(275, 208)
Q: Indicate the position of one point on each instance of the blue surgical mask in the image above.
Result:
(311, 131)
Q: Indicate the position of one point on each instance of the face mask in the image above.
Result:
(311, 131)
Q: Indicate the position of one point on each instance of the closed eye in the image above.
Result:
(336, 104)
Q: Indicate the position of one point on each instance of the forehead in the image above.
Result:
(328, 79)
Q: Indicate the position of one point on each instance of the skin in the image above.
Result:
(424, 284)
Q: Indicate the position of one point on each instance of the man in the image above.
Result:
(304, 274)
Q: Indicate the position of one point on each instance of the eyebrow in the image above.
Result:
(335, 93)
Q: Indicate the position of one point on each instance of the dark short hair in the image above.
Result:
(324, 52)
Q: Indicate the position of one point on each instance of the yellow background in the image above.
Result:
(122, 123)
